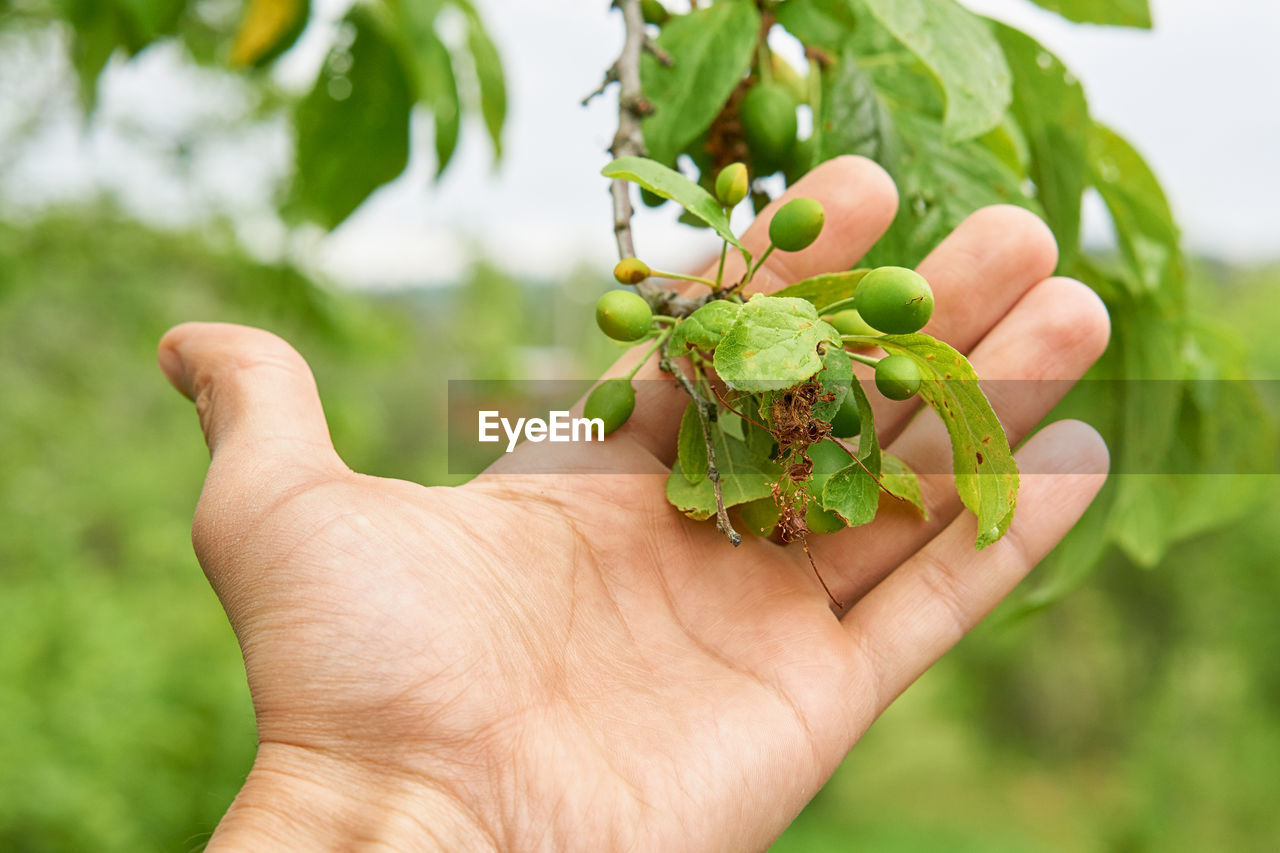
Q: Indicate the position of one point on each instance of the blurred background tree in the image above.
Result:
(1140, 712)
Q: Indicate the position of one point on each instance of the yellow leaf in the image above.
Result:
(266, 26)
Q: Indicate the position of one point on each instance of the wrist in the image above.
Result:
(298, 799)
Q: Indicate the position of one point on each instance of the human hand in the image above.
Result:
(562, 661)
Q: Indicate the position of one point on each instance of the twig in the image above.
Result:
(610, 76)
(629, 140)
(804, 543)
(713, 472)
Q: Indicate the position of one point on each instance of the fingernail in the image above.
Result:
(171, 363)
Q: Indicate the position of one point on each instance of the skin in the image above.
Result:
(561, 661)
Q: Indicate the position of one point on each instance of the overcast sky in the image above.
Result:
(1198, 96)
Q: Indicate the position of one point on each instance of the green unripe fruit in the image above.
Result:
(612, 401)
(894, 300)
(631, 271)
(759, 516)
(785, 75)
(898, 377)
(800, 160)
(850, 322)
(828, 457)
(820, 520)
(732, 184)
(623, 316)
(654, 12)
(797, 224)
(768, 114)
(847, 422)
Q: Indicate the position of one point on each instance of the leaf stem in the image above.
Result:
(751, 272)
(838, 306)
(862, 359)
(661, 339)
(724, 253)
(682, 277)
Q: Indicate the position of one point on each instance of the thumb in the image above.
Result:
(267, 437)
(253, 392)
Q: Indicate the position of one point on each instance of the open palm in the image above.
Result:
(551, 657)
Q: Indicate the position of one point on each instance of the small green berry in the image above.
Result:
(797, 224)
(612, 401)
(894, 300)
(732, 184)
(898, 377)
(623, 315)
(631, 271)
(769, 125)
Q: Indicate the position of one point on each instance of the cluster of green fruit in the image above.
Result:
(890, 300)
(778, 429)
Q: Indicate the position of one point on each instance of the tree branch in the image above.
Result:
(703, 408)
(629, 140)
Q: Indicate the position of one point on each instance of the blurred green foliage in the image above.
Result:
(352, 132)
(1141, 713)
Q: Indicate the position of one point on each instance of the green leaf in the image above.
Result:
(489, 75)
(834, 377)
(960, 50)
(668, 183)
(818, 23)
(97, 35)
(148, 20)
(825, 290)
(1050, 108)
(852, 118)
(900, 481)
(1145, 227)
(1009, 144)
(691, 446)
(352, 129)
(745, 475)
(711, 51)
(1149, 340)
(853, 493)
(443, 98)
(829, 457)
(1120, 13)
(940, 184)
(986, 473)
(267, 29)
(773, 344)
(435, 83)
(704, 328)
